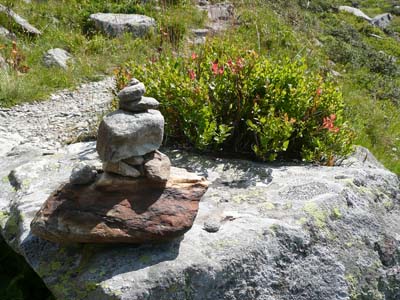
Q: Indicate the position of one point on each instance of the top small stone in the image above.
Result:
(133, 81)
(132, 92)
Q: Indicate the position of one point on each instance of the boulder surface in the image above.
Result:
(57, 57)
(382, 21)
(278, 232)
(117, 24)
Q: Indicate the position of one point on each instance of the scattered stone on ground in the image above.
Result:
(199, 36)
(200, 32)
(355, 11)
(4, 32)
(117, 24)
(57, 57)
(3, 63)
(220, 15)
(382, 21)
(64, 117)
(20, 21)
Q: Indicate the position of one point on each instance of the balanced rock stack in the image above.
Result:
(128, 138)
(136, 197)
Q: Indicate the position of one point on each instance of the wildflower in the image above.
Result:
(214, 67)
(192, 75)
(319, 91)
(328, 123)
(221, 70)
(194, 56)
(240, 63)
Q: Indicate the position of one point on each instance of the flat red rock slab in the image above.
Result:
(139, 212)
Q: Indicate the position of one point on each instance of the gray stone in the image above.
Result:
(56, 57)
(6, 33)
(157, 166)
(310, 233)
(143, 104)
(200, 36)
(219, 11)
(117, 24)
(201, 32)
(122, 134)
(3, 63)
(355, 11)
(132, 93)
(382, 21)
(121, 168)
(20, 21)
(212, 226)
(83, 174)
(134, 160)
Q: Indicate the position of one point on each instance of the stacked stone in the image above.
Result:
(129, 138)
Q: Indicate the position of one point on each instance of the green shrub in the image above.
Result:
(222, 98)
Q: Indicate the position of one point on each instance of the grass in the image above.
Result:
(65, 25)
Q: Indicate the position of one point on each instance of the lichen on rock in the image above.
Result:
(281, 252)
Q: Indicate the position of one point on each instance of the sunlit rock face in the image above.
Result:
(263, 231)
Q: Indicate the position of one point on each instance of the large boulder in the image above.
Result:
(122, 134)
(278, 232)
(117, 24)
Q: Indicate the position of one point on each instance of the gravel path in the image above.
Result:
(48, 124)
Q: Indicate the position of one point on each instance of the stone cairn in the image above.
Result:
(136, 196)
(129, 138)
